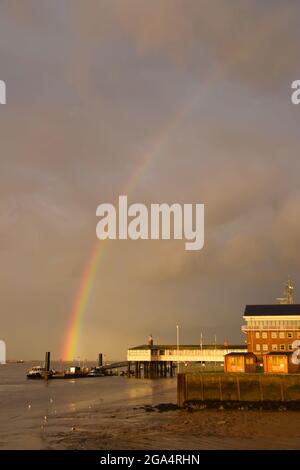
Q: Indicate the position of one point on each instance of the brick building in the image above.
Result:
(271, 327)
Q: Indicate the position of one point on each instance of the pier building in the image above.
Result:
(160, 359)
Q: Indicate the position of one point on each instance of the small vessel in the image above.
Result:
(96, 372)
(74, 372)
(38, 372)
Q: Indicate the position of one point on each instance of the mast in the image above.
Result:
(288, 294)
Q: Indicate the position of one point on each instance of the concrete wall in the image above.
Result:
(237, 387)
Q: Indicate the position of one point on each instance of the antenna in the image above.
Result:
(288, 294)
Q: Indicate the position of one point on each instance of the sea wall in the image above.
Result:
(221, 387)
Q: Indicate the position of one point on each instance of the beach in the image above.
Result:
(112, 413)
(128, 428)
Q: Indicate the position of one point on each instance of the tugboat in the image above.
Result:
(38, 372)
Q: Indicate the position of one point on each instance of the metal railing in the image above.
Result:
(247, 328)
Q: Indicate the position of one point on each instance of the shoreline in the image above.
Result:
(165, 427)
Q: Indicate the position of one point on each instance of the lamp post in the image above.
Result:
(201, 347)
(177, 331)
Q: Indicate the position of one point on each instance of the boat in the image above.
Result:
(74, 372)
(38, 372)
(96, 372)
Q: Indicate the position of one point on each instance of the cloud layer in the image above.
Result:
(93, 88)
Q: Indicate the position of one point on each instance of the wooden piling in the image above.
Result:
(47, 365)
(129, 369)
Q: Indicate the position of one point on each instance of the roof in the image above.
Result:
(190, 346)
(276, 309)
(240, 354)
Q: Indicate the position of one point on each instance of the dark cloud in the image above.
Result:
(93, 87)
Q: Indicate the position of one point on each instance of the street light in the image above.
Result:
(177, 331)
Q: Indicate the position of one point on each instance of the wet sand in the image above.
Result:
(117, 413)
(145, 427)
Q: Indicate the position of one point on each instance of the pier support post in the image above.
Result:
(151, 369)
(129, 369)
(100, 360)
(47, 365)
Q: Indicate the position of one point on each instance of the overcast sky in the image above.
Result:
(201, 86)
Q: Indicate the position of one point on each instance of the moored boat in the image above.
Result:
(38, 372)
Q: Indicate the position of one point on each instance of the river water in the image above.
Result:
(27, 405)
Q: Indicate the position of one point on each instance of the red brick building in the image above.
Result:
(271, 327)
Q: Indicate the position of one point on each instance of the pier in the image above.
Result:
(151, 361)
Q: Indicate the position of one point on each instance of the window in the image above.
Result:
(265, 347)
(290, 347)
(264, 334)
(274, 334)
(281, 334)
(257, 347)
(298, 334)
(282, 347)
(237, 361)
(257, 335)
(290, 334)
(274, 347)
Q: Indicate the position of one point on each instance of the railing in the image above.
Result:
(247, 328)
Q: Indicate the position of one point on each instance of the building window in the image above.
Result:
(264, 334)
(257, 347)
(274, 335)
(257, 335)
(265, 347)
(290, 334)
(282, 347)
(298, 334)
(281, 334)
(290, 347)
(274, 347)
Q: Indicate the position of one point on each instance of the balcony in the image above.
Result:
(247, 328)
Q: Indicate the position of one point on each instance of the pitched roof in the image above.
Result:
(243, 354)
(276, 309)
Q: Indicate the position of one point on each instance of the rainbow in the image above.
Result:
(88, 279)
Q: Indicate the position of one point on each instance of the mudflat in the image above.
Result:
(165, 427)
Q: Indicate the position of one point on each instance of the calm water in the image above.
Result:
(24, 404)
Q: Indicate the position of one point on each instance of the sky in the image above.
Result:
(203, 88)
